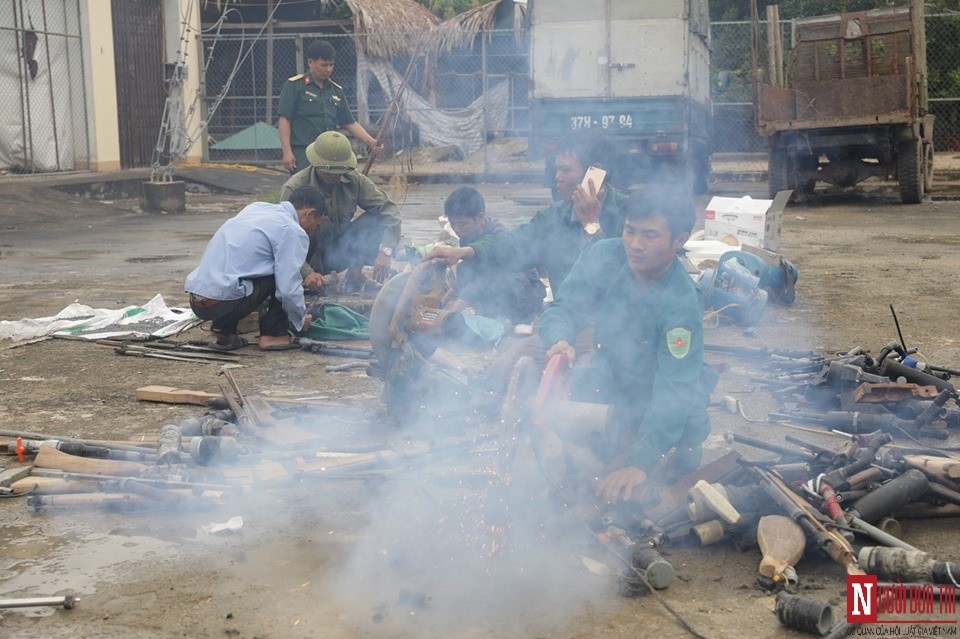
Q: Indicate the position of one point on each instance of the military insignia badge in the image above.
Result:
(678, 342)
(336, 98)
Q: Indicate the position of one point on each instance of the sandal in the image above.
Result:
(238, 342)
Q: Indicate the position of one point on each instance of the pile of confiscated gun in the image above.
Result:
(842, 501)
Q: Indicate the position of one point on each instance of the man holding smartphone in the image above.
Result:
(553, 238)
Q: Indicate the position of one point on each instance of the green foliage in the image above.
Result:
(789, 9)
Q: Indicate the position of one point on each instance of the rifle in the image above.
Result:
(391, 108)
(831, 542)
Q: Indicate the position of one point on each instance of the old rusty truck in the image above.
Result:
(637, 72)
(848, 102)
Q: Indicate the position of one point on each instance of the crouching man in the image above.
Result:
(648, 361)
(255, 257)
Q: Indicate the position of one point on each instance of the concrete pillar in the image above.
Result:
(96, 29)
(182, 43)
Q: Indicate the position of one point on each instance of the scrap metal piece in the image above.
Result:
(878, 393)
(67, 601)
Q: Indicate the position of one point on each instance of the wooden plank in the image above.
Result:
(53, 486)
(171, 395)
(50, 457)
(949, 468)
(10, 475)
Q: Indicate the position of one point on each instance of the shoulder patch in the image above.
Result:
(299, 76)
(678, 342)
(335, 84)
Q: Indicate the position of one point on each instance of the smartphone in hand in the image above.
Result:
(597, 175)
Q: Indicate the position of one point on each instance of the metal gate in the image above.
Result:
(138, 51)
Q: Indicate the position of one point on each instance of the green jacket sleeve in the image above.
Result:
(288, 100)
(370, 197)
(519, 250)
(298, 179)
(578, 297)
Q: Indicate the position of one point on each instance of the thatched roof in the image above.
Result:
(386, 28)
(462, 29)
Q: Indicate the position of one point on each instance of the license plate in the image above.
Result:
(610, 121)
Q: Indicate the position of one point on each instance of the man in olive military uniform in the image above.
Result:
(347, 242)
(648, 358)
(311, 103)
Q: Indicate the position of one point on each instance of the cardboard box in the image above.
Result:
(753, 222)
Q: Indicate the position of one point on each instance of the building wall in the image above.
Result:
(100, 80)
(100, 76)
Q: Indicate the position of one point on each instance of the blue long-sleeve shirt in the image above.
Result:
(262, 239)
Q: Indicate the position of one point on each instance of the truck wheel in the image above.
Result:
(910, 171)
(927, 167)
(778, 178)
(808, 164)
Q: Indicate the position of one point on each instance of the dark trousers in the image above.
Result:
(354, 245)
(614, 447)
(225, 315)
(300, 155)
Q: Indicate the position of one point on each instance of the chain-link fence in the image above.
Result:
(460, 101)
(42, 99)
(733, 93)
(472, 101)
(451, 85)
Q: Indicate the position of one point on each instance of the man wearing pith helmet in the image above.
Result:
(347, 242)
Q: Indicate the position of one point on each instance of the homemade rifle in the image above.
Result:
(831, 542)
(391, 108)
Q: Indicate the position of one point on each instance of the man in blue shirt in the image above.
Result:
(648, 341)
(255, 257)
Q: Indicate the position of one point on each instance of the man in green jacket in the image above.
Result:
(551, 241)
(346, 243)
(554, 237)
(648, 342)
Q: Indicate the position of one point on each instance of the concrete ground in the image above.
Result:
(411, 554)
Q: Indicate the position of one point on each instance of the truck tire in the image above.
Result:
(778, 178)
(808, 165)
(910, 166)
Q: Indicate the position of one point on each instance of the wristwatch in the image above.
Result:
(591, 228)
(387, 250)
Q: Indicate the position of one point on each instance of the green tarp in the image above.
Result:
(261, 136)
